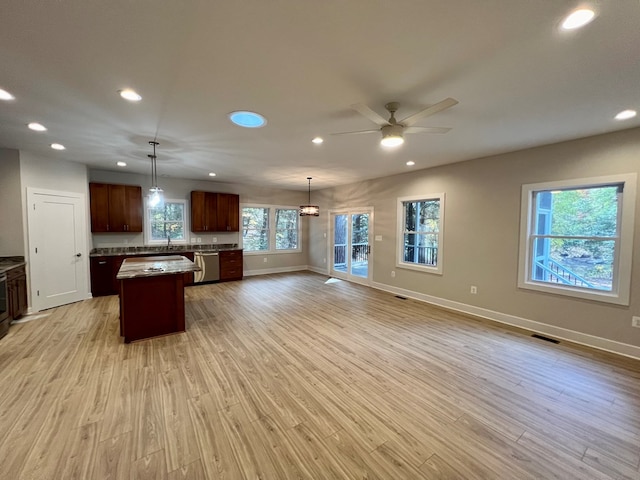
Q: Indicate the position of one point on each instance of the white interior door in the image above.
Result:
(351, 234)
(57, 248)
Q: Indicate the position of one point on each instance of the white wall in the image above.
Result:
(11, 233)
(481, 237)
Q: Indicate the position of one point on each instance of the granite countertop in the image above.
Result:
(8, 263)
(154, 266)
(173, 249)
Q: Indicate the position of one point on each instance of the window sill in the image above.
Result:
(420, 268)
(270, 252)
(596, 296)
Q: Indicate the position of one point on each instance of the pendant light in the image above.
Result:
(155, 192)
(309, 210)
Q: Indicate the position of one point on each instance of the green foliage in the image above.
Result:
(167, 221)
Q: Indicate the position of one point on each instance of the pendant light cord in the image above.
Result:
(309, 178)
(154, 169)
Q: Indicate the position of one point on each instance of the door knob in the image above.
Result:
(78, 254)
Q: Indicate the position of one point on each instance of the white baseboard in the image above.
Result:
(321, 271)
(266, 271)
(532, 325)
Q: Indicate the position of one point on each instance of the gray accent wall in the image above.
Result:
(481, 236)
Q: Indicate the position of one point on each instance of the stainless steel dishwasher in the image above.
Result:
(209, 262)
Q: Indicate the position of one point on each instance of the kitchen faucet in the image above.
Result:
(168, 241)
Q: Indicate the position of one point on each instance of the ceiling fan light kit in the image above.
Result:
(392, 130)
(392, 136)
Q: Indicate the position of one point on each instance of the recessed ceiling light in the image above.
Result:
(411, 163)
(130, 95)
(626, 115)
(247, 119)
(121, 164)
(57, 146)
(578, 18)
(317, 140)
(4, 95)
(38, 127)
(211, 174)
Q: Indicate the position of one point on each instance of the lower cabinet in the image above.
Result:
(230, 265)
(104, 270)
(17, 290)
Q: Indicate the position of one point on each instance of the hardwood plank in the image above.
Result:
(269, 382)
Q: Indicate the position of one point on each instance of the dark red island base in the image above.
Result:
(152, 296)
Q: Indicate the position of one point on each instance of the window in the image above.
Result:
(576, 237)
(420, 221)
(270, 229)
(166, 221)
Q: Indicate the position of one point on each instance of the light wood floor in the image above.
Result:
(272, 383)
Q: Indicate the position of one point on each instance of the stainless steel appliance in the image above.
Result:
(209, 262)
(4, 306)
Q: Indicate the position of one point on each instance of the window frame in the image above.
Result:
(147, 223)
(400, 263)
(621, 281)
(272, 229)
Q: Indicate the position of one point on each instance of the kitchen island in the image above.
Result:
(152, 296)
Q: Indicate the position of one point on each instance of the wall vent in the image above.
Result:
(546, 339)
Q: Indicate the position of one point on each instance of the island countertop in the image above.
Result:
(153, 266)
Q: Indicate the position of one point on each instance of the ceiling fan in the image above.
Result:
(392, 130)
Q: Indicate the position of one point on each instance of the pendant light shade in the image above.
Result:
(155, 192)
(309, 210)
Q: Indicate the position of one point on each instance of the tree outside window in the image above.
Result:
(167, 222)
(255, 229)
(420, 231)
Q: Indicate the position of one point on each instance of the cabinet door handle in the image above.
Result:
(102, 263)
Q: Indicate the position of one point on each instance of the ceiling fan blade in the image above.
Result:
(356, 133)
(370, 114)
(438, 107)
(426, 129)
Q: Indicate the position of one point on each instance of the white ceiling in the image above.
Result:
(519, 80)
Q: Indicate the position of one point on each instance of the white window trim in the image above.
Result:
(400, 234)
(272, 229)
(622, 261)
(147, 225)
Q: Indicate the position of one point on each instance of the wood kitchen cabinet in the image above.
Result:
(231, 265)
(17, 290)
(115, 208)
(215, 212)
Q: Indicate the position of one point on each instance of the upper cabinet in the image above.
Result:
(215, 212)
(115, 208)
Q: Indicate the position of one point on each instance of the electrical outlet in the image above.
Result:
(265, 260)
(393, 274)
(193, 239)
(324, 260)
(199, 240)
(635, 322)
(215, 239)
(474, 289)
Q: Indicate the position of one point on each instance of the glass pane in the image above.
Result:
(286, 229)
(421, 248)
(255, 228)
(574, 263)
(360, 244)
(428, 216)
(174, 211)
(586, 212)
(422, 216)
(340, 243)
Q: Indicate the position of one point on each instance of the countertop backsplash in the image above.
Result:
(145, 249)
